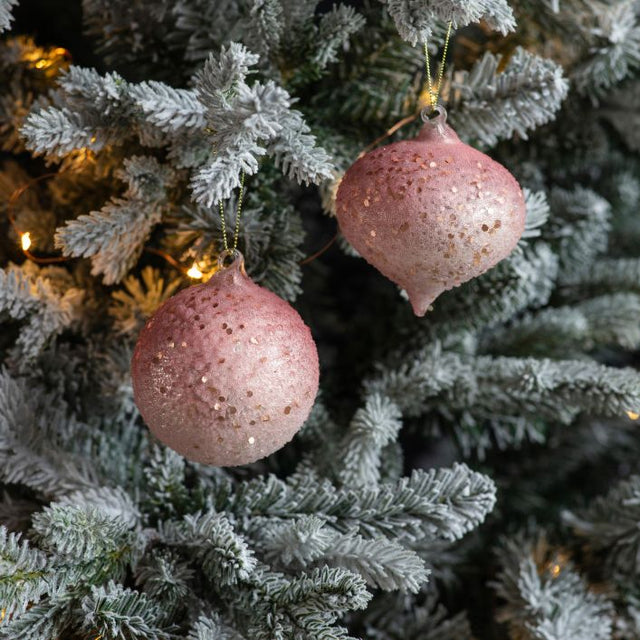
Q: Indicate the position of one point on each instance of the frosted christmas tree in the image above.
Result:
(470, 473)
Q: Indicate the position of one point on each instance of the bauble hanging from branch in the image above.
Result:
(430, 213)
(225, 372)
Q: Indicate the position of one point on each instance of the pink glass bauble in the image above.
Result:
(430, 213)
(225, 372)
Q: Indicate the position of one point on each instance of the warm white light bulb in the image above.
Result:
(194, 272)
(25, 241)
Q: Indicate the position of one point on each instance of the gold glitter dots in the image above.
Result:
(253, 340)
(433, 165)
(251, 440)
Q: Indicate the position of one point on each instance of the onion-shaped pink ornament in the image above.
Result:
(430, 213)
(225, 372)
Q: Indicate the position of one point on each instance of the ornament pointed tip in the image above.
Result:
(421, 301)
(420, 308)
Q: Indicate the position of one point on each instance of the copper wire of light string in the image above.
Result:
(13, 198)
(388, 133)
(236, 232)
(433, 95)
(318, 253)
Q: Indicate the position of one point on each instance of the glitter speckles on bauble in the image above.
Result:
(225, 372)
(430, 213)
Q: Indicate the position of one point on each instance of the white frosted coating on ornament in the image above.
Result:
(430, 213)
(226, 372)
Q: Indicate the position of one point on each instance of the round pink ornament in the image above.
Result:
(225, 372)
(430, 213)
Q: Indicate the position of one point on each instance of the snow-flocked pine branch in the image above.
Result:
(414, 18)
(492, 105)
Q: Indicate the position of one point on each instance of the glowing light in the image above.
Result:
(424, 98)
(555, 570)
(194, 272)
(633, 415)
(25, 241)
(3, 613)
(41, 64)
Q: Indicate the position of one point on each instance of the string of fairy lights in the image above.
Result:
(196, 271)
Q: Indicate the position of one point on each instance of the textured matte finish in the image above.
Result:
(430, 213)
(225, 372)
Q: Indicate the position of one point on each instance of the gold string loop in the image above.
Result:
(223, 222)
(435, 93)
